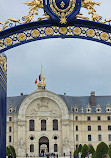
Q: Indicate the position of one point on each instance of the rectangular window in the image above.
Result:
(10, 138)
(10, 119)
(99, 128)
(55, 148)
(109, 128)
(99, 137)
(76, 128)
(89, 137)
(76, 146)
(76, 118)
(76, 137)
(109, 137)
(88, 118)
(108, 118)
(89, 128)
(98, 118)
(31, 148)
(31, 125)
(43, 125)
(10, 129)
(55, 125)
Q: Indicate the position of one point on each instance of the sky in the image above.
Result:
(72, 66)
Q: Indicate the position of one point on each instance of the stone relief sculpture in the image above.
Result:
(66, 142)
(21, 143)
(43, 106)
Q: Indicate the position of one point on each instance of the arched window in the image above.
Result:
(109, 128)
(55, 125)
(43, 125)
(31, 125)
(55, 148)
(31, 148)
(99, 128)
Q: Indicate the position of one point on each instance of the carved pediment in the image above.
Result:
(43, 107)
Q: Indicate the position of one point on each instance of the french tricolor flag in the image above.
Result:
(36, 81)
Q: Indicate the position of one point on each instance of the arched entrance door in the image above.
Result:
(43, 145)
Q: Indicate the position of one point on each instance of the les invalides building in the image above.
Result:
(45, 122)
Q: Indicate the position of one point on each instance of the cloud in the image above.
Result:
(73, 66)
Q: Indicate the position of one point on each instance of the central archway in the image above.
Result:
(43, 145)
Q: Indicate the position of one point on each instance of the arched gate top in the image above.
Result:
(62, 22)
(33, 31)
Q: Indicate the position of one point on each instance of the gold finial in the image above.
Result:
(41, 84)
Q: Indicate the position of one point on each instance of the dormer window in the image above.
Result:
(98, 109)
(108, 108)
(10, 110)
(88, 109)
(76, 110)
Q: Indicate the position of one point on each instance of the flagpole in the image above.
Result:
(41, 75)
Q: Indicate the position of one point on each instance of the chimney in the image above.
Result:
(21, 94)
(93, 98)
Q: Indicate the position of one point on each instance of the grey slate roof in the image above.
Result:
(15, 102)
(85, 100)
(71, 101)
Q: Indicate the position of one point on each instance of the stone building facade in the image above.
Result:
(44, 122)
(47, 122)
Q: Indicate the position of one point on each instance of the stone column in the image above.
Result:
(21, 139)
(65, 137)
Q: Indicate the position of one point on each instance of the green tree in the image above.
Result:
(79, 148)
(94, 155)
(109, 151)
(84, 150)
(7, 151)
(91, 149)
(13, 151)
(102, 149)
(75, 152)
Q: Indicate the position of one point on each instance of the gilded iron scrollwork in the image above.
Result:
(35, 5)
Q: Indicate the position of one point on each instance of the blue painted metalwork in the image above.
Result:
(82, 24)
(54, 16)
(3, 86)
(28, 32)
